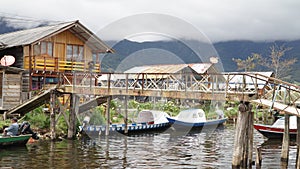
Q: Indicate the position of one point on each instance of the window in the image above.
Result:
(75, 52)
(43, 48)
(37, 49)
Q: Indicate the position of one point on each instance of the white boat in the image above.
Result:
(276, 130)
(194, 118)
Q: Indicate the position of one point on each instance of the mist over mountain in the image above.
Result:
(5, 27)
(172, 52)
(129, 53)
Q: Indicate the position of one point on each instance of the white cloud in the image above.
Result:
(218, 19)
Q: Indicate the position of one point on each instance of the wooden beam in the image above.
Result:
(286, 140)
(126, 106)
(107, 116)
(201, 95)
(250, 133)
(258, 160)
(298, 144)
(52, 116)
(72, 119)
(292, 110)
(240, 139)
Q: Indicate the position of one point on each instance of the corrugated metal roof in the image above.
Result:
(172, 68)
(200, 67)
(34, 35)
(29, 36)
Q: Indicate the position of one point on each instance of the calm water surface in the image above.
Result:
(166, 150)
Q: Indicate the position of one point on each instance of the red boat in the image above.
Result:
(276, 130)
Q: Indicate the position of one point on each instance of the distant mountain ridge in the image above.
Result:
(226, 51)
(5, 27)
(165, 51)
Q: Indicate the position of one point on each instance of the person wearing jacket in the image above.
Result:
(13, 129)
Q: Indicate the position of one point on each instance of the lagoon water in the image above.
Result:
(212, 149)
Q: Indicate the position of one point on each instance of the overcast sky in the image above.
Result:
(218, 20)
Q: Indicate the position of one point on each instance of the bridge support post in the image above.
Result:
(72, 117)
(285, 141)
(250, 136)
(243, 137)
(107, 116)
(52, 115)
(126, 106)
(298, 144)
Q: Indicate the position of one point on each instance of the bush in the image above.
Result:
(38, 119)
(231, 112)
(171, 107)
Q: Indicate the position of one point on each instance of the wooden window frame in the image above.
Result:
(78, 56)
(38, 48)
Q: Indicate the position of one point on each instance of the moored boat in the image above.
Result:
(147, 121)
(14, 140)
(276, 130)
(194, 118)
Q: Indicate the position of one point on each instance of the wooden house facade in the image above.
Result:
(11, 87)
(46, 51)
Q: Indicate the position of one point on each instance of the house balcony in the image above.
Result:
(55, 64)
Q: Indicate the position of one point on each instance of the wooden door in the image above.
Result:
(59, 54)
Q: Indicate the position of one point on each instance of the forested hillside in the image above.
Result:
(226, 51)
(161, 52)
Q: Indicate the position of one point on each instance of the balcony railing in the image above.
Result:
(56, 65)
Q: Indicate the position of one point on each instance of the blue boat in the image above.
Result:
(147, 121)
(194, 118)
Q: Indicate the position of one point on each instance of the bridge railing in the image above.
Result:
(175, 81)
(252, 84)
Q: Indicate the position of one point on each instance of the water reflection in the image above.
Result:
(167, 150)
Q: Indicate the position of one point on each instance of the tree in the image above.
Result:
(247, 64)
(275, 61)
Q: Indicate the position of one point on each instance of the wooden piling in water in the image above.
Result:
(107, 116)
(242, 135)
(72, 117)
(285, 140)
(126, 107)
(108, 107)
(298, 144)
(250, 133)
(52, 116)
(258, 157)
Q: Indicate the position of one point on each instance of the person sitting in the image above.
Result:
(13, 129)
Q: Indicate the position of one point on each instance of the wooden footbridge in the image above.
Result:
(248, 87)
(88, 90)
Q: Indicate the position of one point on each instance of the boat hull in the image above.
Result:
(179, 123)
(20, 140)
(133, 129)
(273, 132)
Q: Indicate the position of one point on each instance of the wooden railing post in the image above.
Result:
(56, 69)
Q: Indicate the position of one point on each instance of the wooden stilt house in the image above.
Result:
(46, 52)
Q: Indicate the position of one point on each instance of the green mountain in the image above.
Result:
(129, 54)
(242, 49)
